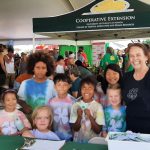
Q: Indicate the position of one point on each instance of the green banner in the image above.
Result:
(99, 15)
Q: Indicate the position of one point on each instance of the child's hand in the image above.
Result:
(104, 134)
(27, 133)
(87, 112)
(0, 131)
(79, 112)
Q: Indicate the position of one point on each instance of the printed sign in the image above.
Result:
(99, 15)
(97, 48)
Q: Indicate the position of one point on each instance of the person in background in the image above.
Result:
(38, 90)
(66, 58)
(20, 79)
(80, 57)
(16, 63)
(115, 113)
(23, 63)
(61, 107)
(10, 67)
(87, 117)
(100, 75)
(55, 53)
(3, 72)
(42, 119)
(136, 89)
(83, 56)
(84, 72)
(127, 66)
(74, 75)
(109, 58)
(60, 65)
(148, 47)
(120, 58)
(12, 121)
(71, 60)
(98, 64)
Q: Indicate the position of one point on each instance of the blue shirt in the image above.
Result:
(76, 85)
(115, 119)
(35, 93)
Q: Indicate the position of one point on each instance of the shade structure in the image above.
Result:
(100, 19)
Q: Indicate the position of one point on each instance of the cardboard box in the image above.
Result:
(127, 145)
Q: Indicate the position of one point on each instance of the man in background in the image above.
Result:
(10, 67)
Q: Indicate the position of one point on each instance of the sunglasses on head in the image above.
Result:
(9, 90)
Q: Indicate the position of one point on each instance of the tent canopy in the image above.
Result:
(100, 19)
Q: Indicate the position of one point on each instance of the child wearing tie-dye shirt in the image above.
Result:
(39, 89)
(87, 117)
(12, 121)
(61, 107)
(115, 113)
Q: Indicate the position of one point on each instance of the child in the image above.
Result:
(38, 90)
(12, 121)
(42, 119)
(61, 106)
(115, 113)
(87, 115)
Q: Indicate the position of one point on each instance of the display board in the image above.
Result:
(97, 48)
(99, 15)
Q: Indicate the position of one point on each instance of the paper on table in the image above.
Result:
(45, 145)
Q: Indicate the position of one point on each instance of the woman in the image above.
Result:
(112, 75)
(136, 89)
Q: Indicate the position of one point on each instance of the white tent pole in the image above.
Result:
(76, 50)
(33, 42)
(76, 39)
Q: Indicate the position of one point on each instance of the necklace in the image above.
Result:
(140, 75)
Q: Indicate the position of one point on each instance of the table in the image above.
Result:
(11, 142)
(14, 142)
(78, 146)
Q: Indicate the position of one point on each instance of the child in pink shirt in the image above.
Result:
(12, 121)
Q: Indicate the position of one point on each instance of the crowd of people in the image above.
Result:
(61, 99)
